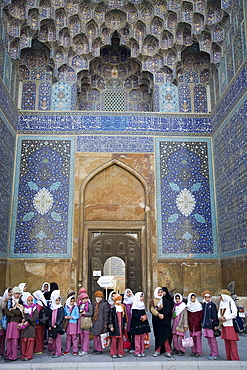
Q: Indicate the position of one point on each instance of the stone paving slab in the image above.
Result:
(129, 362)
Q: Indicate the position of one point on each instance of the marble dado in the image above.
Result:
(188, 276)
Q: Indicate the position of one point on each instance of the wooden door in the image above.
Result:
(119, 245)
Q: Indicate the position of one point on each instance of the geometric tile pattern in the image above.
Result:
(77, 122)
(234, 93)
(186, 217)
(43, 189)
(7, 156)
(231, 181)
(115, 144)
(8, 107)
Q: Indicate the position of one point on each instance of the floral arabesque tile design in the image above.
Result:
(43, 214)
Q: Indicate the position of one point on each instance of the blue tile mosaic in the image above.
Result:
(79, 123)
(115, 144)
(8, 107)
(43, 198)
(185, 199)
(168, 98)
(231, 97)
(7, 155)
(231, 181)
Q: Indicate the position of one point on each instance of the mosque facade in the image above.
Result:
(123, 135)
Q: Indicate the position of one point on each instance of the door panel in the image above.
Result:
(120, 245)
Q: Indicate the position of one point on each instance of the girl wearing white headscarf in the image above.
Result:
(39, 342)
(56, 321)
(28, 332)
(45, 287)
(161, 318)
(23, 287)
(111, 298)
(227, 312)
(3, 302)
(14, 311)
(128, 302)
(71, 312)
(179, 325)
(195, 315)
(139, 325)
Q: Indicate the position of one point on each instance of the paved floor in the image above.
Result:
(45, 362)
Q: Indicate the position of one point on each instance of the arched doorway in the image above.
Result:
(124, 245)
(114, 218)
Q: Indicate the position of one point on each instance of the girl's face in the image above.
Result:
(45, 287)
(72, 301)
(99, 299)
(142, 297)
(10, 293)
(160, 292)
(177, 298)
(129, 293)
(193, 298)
(25, 288)
(58, 300)
(207, 298)
(17, 295)
(84, 300)
(164, 293)
(30, 301)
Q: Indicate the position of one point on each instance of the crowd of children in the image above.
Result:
(28, 321)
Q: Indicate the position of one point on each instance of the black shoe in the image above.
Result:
(175, 352)
(181, 353)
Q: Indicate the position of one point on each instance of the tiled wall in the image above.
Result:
(7, 161)
(230, 157)
(43, 198)
(185, 198)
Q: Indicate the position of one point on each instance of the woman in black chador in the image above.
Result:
(161, 309)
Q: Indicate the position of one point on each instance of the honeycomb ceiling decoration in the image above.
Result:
(153, 31)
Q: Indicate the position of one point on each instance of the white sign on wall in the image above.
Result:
(96, 273)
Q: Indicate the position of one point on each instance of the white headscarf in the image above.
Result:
(178, 308)
(193, 306)
(68, 302)
(42, 288)
(54, 295)
(225, 303)
(137, 304)
(25, 296)
(156, 296)
(28, 309)
(40, 298)
(6, 293)
(127, 299)
(21, 286)
(110, 300)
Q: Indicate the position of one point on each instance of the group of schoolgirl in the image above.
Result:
(172, 319)
(25, 330)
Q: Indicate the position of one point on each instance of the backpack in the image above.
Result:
(44, 315)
